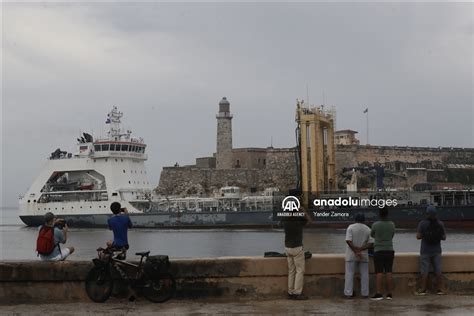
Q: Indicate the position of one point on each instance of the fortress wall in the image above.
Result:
(280, 168)
(428, 157)
(193, 181)
(438, 156)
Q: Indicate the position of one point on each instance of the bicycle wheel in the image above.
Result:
(160, 290)
(99, 284)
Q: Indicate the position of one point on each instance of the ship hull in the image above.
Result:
(404, 217)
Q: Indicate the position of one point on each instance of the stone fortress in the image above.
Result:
(255, 169)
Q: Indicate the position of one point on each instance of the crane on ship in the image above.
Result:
(315, 151)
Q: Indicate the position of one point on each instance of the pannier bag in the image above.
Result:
(156, 266)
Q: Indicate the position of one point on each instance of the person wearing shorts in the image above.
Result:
(430, 252)
(60, 237)
(383, 231)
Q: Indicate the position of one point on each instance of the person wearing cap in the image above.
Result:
(358, 241)
(60, 237)
(430, 231)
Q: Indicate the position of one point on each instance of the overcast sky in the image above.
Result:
(166, 66)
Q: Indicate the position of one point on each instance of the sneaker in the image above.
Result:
(420, 293)
(389, 296)
(300, 297)
(291, 296)
(440, 292)
(377, 297)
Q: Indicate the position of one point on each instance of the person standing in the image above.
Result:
(383, 231)
(293, 227)
(431, 231)
(358, 242)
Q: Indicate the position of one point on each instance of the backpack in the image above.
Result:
(434, 232)
(156, 266)
(45, 241)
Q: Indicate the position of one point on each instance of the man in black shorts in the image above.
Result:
(383, 231)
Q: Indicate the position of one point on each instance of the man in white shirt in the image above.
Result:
(358, 242)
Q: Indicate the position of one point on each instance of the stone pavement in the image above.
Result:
(409, 305)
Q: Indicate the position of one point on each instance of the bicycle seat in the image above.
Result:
(143, 253)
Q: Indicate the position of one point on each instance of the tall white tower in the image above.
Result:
(224, 136)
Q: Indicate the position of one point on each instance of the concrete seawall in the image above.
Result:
(246, 278)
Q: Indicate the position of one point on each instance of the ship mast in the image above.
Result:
(115, 132)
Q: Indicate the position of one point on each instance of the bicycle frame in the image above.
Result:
(137, 267)
(113, 261)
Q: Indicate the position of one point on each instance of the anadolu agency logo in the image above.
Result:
(290, 204)
(290, 207)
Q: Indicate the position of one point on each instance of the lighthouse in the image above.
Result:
(224, 136)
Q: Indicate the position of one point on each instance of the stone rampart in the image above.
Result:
(230, 278)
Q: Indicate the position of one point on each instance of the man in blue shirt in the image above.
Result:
(119, 223)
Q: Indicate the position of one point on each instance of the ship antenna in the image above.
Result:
(307, 95)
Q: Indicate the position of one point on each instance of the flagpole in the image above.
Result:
(367, 126)
(366, 111)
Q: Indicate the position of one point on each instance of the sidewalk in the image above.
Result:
(432, 304)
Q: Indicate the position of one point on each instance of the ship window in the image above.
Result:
(105, 147)
(112, 147)
(129, 182)
(28, 201)
(34, 201)
(114, 194)
(132, 148)
(123, 170)
(96, 147)
(124, 148)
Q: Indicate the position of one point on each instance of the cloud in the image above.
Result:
(167, 66)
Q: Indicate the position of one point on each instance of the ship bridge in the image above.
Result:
(117, 144)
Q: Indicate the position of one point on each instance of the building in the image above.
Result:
(346, 137)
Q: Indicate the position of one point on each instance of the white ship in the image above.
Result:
(86, 182)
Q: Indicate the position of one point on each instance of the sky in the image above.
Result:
(166, 66)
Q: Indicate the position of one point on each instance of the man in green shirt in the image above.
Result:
(383, 231)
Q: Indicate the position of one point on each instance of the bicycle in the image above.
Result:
(152, 280)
